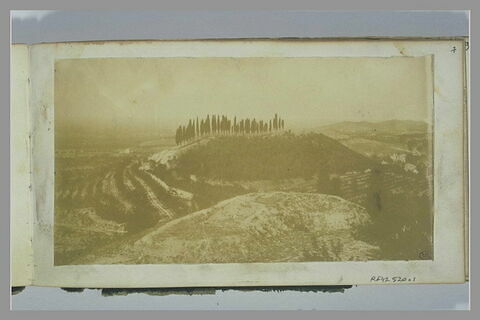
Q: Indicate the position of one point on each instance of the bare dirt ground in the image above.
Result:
(258, 227)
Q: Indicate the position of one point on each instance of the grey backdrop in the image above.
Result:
(128, 25)
(34, 27)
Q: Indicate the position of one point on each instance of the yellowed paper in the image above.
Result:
(442, 109)
(467, 160)
(20, 186)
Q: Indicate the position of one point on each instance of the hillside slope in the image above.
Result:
(269, 157)
(382, 139)
(364, 127)
(257, 227)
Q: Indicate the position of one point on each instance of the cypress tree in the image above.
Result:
(205, 127)
(214, 124)
(189, 129)
(192, 130)
(177, 137)
(198, 129)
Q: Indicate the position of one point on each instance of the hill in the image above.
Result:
(394, 127)
(257, 227)
(276, 156)
(382, 140)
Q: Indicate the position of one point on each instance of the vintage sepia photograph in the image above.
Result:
(241, 160)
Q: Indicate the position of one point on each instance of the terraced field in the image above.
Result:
(103, 197)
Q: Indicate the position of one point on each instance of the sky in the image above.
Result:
(128, 94)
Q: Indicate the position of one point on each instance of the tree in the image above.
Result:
(194, 129)
(215, 124)
(207, 125)
(189, 130)
(197, 129)
(178, 134)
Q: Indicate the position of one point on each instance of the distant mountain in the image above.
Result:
(384, 127)
(257, 227)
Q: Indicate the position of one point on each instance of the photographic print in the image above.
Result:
(242, 160)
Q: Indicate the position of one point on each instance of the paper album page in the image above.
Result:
(248, 163)
(466, 152)
(21, 256)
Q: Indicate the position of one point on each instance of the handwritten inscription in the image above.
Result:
(394, 279)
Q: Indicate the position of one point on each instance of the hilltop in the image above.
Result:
(257, 227)
(270, 156)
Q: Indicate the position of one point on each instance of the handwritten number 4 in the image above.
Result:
(467, 46)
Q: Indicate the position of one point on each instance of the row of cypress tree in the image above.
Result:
(222, 125)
